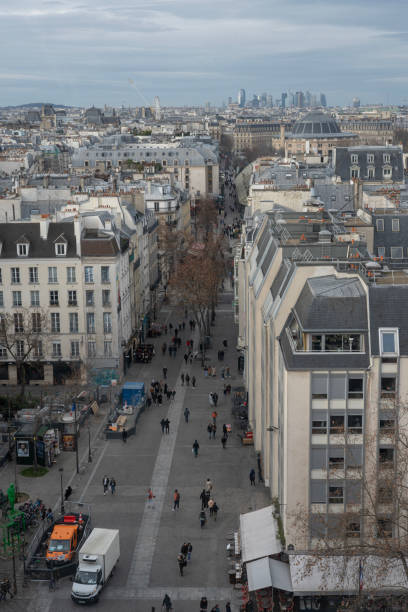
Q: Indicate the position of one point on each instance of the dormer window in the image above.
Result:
(60, 246)
(22, 249)
(23, 246)
(60, 249)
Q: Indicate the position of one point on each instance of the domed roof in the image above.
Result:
(316, 124)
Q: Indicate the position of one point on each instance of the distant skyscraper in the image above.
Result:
(269, 101)
(157, 109)
(207, 107)
(356, 102)
(308, 99)
(323, 101)
(283, 99)
(241, 98)
(263, 99)
(229, 100)
(299, 99)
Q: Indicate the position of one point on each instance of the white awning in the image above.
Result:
(339, 574)
(258, 534)
(280, 574)
(258, 574)
(267, 572)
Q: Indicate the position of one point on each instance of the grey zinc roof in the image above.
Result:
(329, 303)
(39, 248)
(388, 308)
(273, 247)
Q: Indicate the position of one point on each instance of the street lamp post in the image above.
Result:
(89, 445)
(74, 407)
(62, 493)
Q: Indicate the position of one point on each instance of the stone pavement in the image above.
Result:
(151, 537)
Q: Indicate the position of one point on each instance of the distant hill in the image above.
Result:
(35, 105)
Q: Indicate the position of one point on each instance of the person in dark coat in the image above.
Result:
(204, 501)
(203, 604)
(252, 477)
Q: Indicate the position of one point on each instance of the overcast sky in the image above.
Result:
(190, 51)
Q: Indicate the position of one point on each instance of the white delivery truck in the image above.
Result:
(97, 559)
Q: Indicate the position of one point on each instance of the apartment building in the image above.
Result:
(369, 164)
(323, 333)
(193, 162)
(67, 282)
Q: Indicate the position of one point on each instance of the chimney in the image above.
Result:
(77, 232)
(44, 223)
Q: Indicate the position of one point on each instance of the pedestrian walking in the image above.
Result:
(203, 518)
(176, 500)
(167, 425)
(209, 429)
(224, 441)
(215, 398)
(5, 589)
(225, 343)
(214, 416)
(112, 485)
(124, 435)
(184, 549)
(203, 497)
(173, 393)
(211, 505)
(215, 510)
(182, 379)
(193, 381)
(167, 603)
(203, 604)
(164, 348)
(105, 483)
(208, 485)
(163, 425)
(252, 477)
(189, 550)
(185, 358)
(211, 398)
(181, 563)
(196, 446)
(225, 430)
(150, 498)
(164, 373)
(216, 608)
(214, 429)
(228, 607)
(187, 380)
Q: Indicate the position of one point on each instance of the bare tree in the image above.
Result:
(23, 335)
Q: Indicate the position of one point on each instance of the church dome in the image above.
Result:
(315, 124)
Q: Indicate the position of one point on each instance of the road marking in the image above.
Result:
(142, 558)
(92, 475)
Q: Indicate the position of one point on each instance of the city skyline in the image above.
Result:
(128, 53)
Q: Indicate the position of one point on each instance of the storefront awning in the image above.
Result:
(258, 531)
(268, 572)
(312, 574)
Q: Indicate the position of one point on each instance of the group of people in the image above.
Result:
(108, 483)
(185, 378)
(159, 389)
(184, 556)
(216, 608)
(207, 502)
(165, 426)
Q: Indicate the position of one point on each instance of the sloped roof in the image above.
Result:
(328, 303)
